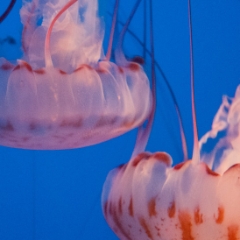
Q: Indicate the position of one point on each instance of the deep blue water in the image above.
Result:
(55, 195)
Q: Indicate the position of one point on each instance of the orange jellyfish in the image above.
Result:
(65, 93)
(198, 199)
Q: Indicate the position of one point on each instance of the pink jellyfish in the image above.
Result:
(198, 199)
(65, 93)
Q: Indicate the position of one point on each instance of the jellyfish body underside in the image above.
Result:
(49, 109)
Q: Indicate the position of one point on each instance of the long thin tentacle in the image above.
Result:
(143, 133)
(27, 25)
(170, 89)
(48, 59)
(196, 153)
(126, 25)
(144, 29)
(114, 20)
(7, 11)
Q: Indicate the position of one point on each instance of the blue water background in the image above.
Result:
(55, 195)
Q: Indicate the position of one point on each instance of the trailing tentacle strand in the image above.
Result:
(7, 11)
(109, 51)
(170, 89)
(196, 152)
(48, 58)
(143, 133)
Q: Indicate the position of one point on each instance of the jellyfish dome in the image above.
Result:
(64, 93)
(149, 199)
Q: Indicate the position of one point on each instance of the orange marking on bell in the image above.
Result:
(106, 209)
(133, 66)
(119, 225)
(83, 66)
(16, 68)
(103, 121)
(198, 217)
(139, 157)
(186, 225)
(179, 166)
(27, 66)
(120, 205)
(120, 69)
(145, 226)
(220, 217)
(39, 71)
(210, 172)
(128, 124)
(163, 157)
(130, 208)
(62, 72)
(233, 166)
(23, 64)
(171, 209)
(152, 207)
(233, 232)
(75, 123)
(110, 208)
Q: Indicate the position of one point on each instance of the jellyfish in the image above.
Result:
(65, 92)
(150, 199)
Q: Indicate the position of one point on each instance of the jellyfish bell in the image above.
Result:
(64, 93)
(149, 198)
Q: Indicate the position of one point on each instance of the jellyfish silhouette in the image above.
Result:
(148, 199)
(65, 93)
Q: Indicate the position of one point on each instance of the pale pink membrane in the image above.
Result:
(225, 136)
(80, 99)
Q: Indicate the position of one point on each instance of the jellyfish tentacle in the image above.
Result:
(123, 32)
(7, 11)
(169, 87)
(143, 133)
(141, 129)
(196, 152)
(120, 58)
(48, 59)
(144, 29)
(114, 20)
(27, 26)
